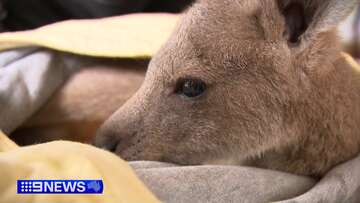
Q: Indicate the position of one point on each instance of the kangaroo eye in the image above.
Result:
(190, 87)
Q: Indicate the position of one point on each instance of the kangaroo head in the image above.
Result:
(232, 82)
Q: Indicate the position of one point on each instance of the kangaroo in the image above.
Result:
(248, 82)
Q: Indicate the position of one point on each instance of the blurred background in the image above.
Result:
(28, 14)
(17, 15)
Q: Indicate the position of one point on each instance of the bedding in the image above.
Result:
(30, 75)
(59, 160)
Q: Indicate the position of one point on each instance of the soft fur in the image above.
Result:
(280, 95)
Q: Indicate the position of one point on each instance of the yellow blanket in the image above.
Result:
(67, 160)
(137, 35)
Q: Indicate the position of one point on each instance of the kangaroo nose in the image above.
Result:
(117, 133)
(106, 139)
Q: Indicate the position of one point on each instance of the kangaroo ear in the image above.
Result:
(306, 19)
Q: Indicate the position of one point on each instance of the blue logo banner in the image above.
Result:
(60, 186)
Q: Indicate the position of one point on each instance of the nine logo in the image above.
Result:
(60, 187)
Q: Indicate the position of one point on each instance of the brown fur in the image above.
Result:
(87, 99)
(269, 103)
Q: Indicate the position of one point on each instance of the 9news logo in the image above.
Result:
(60, 187)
